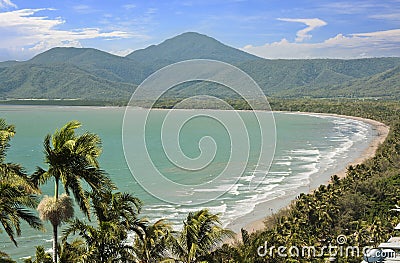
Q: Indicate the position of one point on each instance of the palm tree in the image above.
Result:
(16, 192)
(155, 242)
(103, 243)
(116, 217)
(121, 207)
(41, 256)
(71, 160)
(72, 252)
(200, 235)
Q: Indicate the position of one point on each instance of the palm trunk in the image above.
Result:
(55, 245)
(55, 227)
(56, 188)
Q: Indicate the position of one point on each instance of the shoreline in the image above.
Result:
(265, 210)
(271, 207)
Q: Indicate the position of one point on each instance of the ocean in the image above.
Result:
(305, 151)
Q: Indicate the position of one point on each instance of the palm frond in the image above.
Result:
(6, 132)
(15, 174)
(72, 183)
(65, 136)
(88, 145)
(39, 177)
(13, 203)
(6, 222)
(30, 218)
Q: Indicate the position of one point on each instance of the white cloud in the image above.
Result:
(387, 16)
(25, 33)
(358, 45)
(129, 6)
(5, 4)
(84, 9)
(311, 23)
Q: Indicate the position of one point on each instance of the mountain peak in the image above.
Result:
(67, 54)
(189, 45)
(192, 35)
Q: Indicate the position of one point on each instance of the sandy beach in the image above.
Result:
(263, 211)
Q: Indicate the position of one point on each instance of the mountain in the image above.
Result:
(91, 74)
(70, 73)
(314, 77)
(382, 85)
(58, 81)
(98, 63)
(187, 46)
(322, 78)
(9, 63)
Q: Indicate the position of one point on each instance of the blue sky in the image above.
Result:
(269, 28)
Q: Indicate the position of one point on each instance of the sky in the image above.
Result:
(267, 28)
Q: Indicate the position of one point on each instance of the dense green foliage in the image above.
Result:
(59, 81)
(96, 62)
(90, 74)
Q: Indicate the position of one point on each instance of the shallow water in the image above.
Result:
(308, 149)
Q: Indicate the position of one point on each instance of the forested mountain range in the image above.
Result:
(90, 74)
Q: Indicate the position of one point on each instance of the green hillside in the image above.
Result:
(287, 77)
(99, 63)
(9, 63)
(87, 73)
(58, 81)
(384, 85)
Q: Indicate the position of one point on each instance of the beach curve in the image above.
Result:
(269, 208)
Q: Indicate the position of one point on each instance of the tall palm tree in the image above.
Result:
(105, 242)
(71, 160)
(16, 192)
(117, 216)
(121, 207)
(201, 234)
(155, 242)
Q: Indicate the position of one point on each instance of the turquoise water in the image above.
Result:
(309, 148)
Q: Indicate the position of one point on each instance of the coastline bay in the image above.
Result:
(309, 150)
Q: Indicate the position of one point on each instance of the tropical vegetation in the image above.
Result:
(71, 160)
(17, 193)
